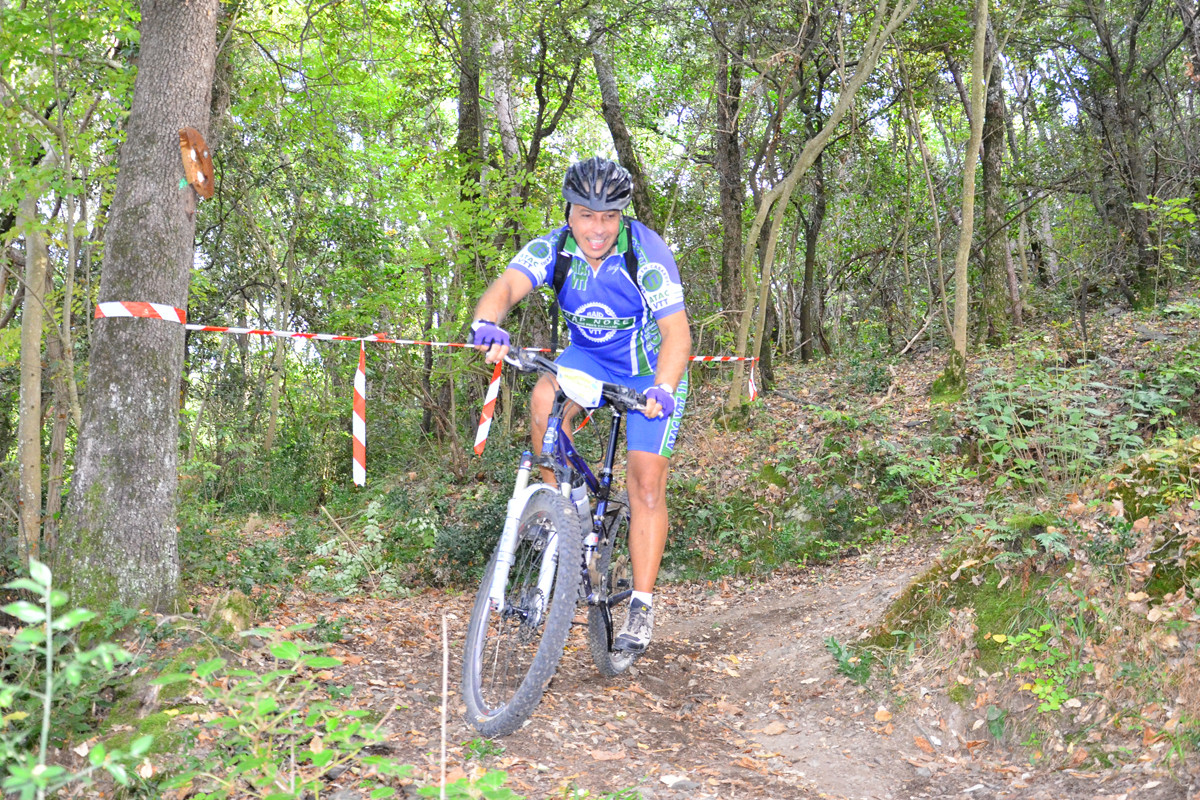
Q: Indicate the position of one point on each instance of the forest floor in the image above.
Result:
(738, 697)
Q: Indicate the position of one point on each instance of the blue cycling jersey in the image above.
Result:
(609, 316)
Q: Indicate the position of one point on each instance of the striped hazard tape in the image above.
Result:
(358, 420)
(145, 310)
(489, 410)
(359, 416)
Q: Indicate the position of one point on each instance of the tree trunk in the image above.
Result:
(610, 106)
(812, 230)
(118, 540)
(470, 123)
(1049, 254)
(952, 383)
(727, 155)
(992, 289)
(60, 366)
(29, 430)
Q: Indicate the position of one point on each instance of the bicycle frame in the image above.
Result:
(558, 454)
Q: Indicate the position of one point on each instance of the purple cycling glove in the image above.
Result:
(662, 393)
(487, 333)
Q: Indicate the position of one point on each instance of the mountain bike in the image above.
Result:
(561, 545)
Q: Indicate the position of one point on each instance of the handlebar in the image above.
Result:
(623, 398)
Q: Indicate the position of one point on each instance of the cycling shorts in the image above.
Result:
(641, 434)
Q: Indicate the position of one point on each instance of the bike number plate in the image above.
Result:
(580, 387)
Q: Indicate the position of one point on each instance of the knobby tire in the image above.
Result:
(508, 662)
(616, 574)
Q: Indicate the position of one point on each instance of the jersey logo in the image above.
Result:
(539, 249)
(579, 275)
(652, 278)
(597, 322)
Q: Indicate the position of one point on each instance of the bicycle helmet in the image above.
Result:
(598, 184)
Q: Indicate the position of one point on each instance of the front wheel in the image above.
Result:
(616, 585)
(510, 655)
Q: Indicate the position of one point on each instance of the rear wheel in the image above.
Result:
(616, 584)
(510, 655)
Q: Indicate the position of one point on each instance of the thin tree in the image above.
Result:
(952, 383)
(118, 540)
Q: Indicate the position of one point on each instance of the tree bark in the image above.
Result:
(952, 383)
(992, 289)
(727, 154)
(29, 427)
(610, 106)
(118, 541)
(812, 230)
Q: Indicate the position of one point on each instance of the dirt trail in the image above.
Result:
(737, 698)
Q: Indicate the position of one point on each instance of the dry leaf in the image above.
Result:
(608, 755)
(316, 745)
(775, 728)
(923, 745)
(145, 769)
(882, 715)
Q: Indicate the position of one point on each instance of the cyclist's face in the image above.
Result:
(595, 231)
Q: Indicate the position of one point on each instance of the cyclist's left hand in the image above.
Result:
(659, 402)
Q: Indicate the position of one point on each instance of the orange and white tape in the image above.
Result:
(359, 416)
(144, 310)
(358, 419)
(489, 410)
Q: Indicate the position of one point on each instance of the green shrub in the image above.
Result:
(51, 675)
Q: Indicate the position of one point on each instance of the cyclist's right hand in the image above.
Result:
(491, 339)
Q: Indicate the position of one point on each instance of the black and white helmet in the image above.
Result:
(598, 184)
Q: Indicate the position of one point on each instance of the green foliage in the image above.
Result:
(1044, 426)
(51, 672)
(868, 376)
(482, 748)
(275, 738)
(489, 787)
(1036, 537)
(1053, 670)
(1171, 223)
(854, 664)
(345, 566)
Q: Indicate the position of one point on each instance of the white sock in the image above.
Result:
(645, 597)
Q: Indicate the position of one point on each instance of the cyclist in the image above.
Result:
(624, 328)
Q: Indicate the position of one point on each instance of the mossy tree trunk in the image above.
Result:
(118, 540)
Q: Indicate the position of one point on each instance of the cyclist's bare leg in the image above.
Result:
(646, 478)
(539, 409)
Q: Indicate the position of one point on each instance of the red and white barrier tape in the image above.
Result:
(489, 410)
(145, 310)
(358, 420)
(359, 416)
